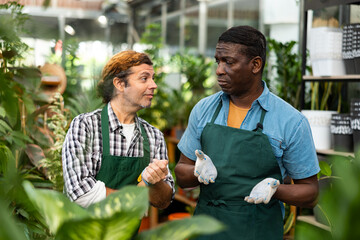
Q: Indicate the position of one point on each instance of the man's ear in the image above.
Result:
(118, 84)
(257, 64)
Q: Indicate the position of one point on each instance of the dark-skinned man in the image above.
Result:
(241, 142)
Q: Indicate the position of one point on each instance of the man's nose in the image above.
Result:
(152, 84)
(220, 69)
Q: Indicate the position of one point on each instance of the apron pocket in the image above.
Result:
(239, 220)
(270, 224)
(238, 223)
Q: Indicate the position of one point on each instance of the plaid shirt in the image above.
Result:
(82, 149)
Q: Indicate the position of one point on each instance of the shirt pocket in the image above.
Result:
(276, 146)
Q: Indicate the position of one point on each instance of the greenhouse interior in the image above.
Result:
(171, 87)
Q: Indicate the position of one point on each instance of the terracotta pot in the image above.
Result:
(178, 215)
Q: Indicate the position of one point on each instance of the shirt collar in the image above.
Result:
(262, 100)
(115, 124)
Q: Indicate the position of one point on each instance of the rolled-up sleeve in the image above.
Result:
(300, 158)
(190, 140)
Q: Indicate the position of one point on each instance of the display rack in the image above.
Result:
(314, 5)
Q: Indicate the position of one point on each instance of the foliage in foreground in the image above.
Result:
(339, 203)
(116, 217)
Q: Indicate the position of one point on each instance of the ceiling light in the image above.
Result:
(102, 20)
(70, 30)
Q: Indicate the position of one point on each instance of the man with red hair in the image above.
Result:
(112, 147)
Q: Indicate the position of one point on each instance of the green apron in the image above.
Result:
(118, 171)
(242, 158)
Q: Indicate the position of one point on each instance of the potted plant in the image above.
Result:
(285, 71)
(196, 70)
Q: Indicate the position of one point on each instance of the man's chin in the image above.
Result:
(225, 91)
(146, 106)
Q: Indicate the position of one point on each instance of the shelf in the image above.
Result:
(317, 5)
(312, 5)
(332, 78)
(311, 220)
(332, 152)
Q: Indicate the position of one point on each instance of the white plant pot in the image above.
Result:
(320, 122)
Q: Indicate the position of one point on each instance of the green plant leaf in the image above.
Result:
(325, 169)
(289, 223)
(54, 206)
(10, 104)
(305, 231)
(121, 225)
(18, 138)
(8, 226)
(5, 156)
(183, 229)
(2, 112)
(4, 127)
(127, 199)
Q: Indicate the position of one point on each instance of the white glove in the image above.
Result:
(263, 191)
(204, 168)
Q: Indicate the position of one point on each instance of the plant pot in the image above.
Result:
(145, 224)
(355, 123)
(326, 51)
(178, 215)
(356, 48)
(320, 127)
(347, 48)
(342, 132)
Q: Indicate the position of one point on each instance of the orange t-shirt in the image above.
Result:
(236, 115)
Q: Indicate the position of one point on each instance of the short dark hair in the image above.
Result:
(119, 66)
(250, 37)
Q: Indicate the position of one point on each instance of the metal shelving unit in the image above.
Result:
(314, 5)
(307, 6)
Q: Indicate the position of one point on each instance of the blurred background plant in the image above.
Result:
(171, 107)
(197, 82)
(327, 96)
(283, 76)
(153, 44)
(284, 68)
(32, 129)
(24, 137)
(338, 201)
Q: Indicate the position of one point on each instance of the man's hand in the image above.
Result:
(204, 168)
(263, 191)
(155, 172)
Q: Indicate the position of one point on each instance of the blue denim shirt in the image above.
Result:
(288, 131)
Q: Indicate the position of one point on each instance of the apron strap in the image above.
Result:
(259, 125)
(105, 130)
(105, 135)
(146, 145)
(216, 112)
